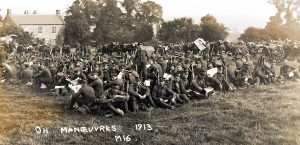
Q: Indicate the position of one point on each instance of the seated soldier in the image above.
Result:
(170, 85)
(97, 84)
(272, 72)
(219, 81)
(85, 97)
(198, 85)
(113, 98)
(78, 75)
(26, 74)
(231, 71)
(180, 85)
(289, 73)
(261, 73)
(53, 70)
(244, 77)
(61, 84)
(139, 94)
(44, 77)
(113, 81)
(163, 96)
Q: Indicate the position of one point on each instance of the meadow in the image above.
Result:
(263, 115)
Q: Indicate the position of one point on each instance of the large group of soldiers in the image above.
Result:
(121, 78)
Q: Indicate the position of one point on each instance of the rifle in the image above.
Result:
(225, 67)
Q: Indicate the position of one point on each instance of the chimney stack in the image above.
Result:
(26, 12)
(8, 12)
(57, 12)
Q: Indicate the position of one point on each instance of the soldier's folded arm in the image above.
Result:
(182, 88)
(131, 92)
(170, 91)
(143, 87)
(38, 75)
(94, 83)
(195, 85)
(154, 93)
(260, 74)
(215, 80)
(177, 90)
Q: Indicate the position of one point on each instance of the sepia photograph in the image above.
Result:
(149, 72)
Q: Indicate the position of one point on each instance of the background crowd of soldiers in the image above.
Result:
(120, 78)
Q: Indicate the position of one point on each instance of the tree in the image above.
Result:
(105, 21)
(252, 34)
(131, 7)
(150, 12)
(59, 40)
(9, 28)
(291, 28)
(143, 33)
(109, 26)
(77, 24)
(211, 30)
(179, 30)
(275, 29)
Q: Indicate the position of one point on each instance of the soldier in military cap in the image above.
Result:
(163, 64)
(78, 75)
(163, 95)
(239, 62)
(140, 95)
(181, 85)
(244, 77)
(97, 84)
(53, 69)
(44, 76)
(85, 97)
(110, 100)
(219, 80)
(198, 84)
(289, 73)
(231, 71)
(262, 73)
(26, 74)
(114, 80)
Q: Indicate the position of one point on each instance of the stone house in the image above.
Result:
(43, 27)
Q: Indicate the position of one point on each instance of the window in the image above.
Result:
(40, 29)
(53, 29)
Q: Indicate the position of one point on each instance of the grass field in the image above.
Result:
(264, 115)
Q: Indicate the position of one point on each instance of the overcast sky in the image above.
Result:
(234, 14)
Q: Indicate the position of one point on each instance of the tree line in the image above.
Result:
(283, 25)
(105, 21)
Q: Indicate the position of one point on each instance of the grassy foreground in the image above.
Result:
(265, 115)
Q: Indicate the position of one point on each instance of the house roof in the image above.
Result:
(37, 19)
